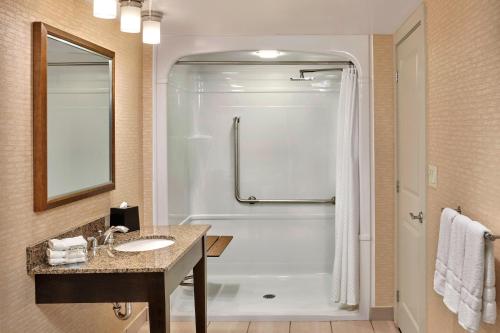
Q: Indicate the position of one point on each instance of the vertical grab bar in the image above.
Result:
(236, 130)
(253, 199)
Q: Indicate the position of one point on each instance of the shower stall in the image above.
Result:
(251, 150)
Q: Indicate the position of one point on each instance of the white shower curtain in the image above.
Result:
(345, 277)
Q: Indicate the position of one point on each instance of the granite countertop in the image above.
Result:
(160, 260)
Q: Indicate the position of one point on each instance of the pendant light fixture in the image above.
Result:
(151, 25)
(105, 9)
(130, 15)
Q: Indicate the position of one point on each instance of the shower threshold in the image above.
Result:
(264, 297)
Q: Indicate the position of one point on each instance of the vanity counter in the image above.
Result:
(146, 276)
(160, 260)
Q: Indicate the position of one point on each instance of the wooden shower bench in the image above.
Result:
(215, 245)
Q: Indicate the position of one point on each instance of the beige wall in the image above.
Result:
(463, 41)
(20, 225)
(147, 133)
(383, 102)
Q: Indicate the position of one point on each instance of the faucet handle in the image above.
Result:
(93, 243)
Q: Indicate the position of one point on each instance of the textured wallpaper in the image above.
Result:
(463, 119)
(20, 225)
(147, 133)
(383, 98)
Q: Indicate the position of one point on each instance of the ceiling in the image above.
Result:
(282, 17)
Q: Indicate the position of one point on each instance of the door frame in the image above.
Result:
(415, 20)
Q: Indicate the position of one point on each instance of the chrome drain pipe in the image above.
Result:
(117, 310)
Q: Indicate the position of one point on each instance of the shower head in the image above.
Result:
(301, 78)
(311, 78)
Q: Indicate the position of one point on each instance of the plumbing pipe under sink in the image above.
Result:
(117, 310)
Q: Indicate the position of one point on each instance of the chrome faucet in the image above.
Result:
(94, 245)
(108, 234)
(108, 237)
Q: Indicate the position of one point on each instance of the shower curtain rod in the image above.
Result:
(257, 62)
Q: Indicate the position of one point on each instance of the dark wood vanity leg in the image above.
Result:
(159, 313)
(200, 292)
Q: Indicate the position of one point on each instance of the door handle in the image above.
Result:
(419, 217)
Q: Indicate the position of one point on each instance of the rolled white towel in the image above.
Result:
(67, 243)
(64, 261)
(68, 254)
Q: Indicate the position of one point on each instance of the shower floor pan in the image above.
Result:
(243, 297)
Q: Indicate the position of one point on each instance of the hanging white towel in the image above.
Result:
(67, 243)
(447, 217)
(489, 293)
(473, 280)
(453, 283)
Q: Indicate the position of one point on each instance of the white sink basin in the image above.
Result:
(140, 245)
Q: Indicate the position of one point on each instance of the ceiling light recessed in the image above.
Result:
(268, 54)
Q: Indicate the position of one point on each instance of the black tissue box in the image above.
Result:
(128, 217)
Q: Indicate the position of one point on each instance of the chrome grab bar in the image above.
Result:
(252, 199)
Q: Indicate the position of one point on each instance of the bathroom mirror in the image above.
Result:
(73, 118)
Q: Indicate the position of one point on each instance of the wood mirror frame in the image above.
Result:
(41, 31)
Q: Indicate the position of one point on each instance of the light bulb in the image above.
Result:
(151, 26)
(105, 9)
(268, 54)
(130, 17)
(151, 32)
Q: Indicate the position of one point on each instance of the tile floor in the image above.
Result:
(287, 327)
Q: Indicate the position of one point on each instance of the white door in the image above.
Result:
(410, 57)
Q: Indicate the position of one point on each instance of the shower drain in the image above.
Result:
(269, 296)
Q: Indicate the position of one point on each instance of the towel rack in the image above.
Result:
(491, 237)
(458, 209)
(487, 235)
(252, 199)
